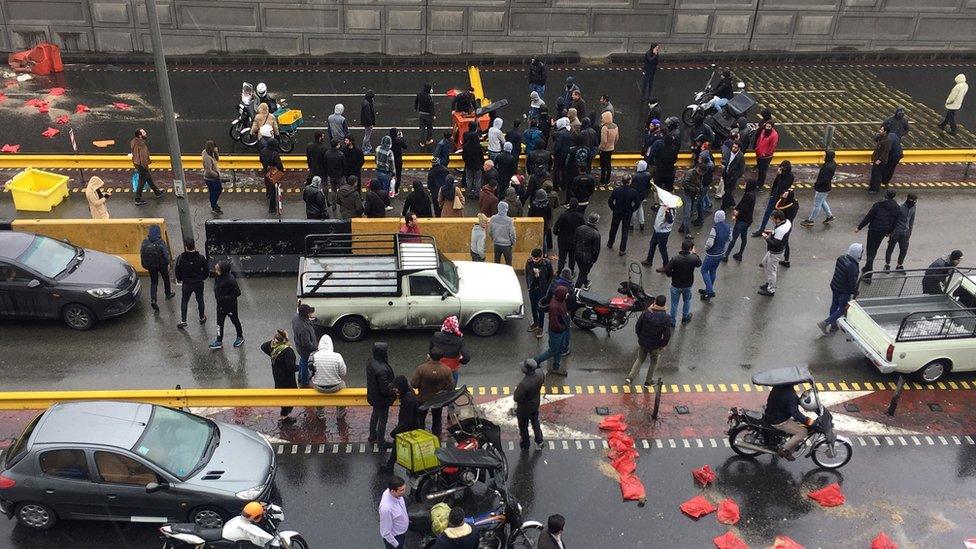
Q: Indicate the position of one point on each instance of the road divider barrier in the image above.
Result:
(265, 246)
(189, 398)
(122, 237)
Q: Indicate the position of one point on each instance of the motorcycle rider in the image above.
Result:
(265, 97)
(245, 527)
(783, 412)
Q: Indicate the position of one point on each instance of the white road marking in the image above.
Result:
(845, 423)
(499, 412)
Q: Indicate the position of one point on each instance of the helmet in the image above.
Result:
(671, 122)
(262, 88)
(253, 510)
(809, 401)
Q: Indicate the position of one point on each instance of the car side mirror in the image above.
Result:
(153, 487)
(35, 283)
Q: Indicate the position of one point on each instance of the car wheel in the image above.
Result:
(36, 516)
(77, 316)
(351, 328)
(933, 371)
(485, 324)
(208, 517)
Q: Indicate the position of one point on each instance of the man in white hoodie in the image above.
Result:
(954, 103)
(328, 370)
(496, 137)
(338, 130)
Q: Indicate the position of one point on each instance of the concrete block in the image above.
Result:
(405, 19)
(405, 44)
(874, 26)
(529, 2)
(447, 20)
(860, 3)
(656, 3)
(164, 11)
(690, 23)
(324, 45)
(268, 44)
(766, 6)
(970, 4)
(4, 42)
(915, 6)
(362, 19)
(814, 24)
(23, 37)
(956, 28)
(507, 46)
(184, 43)
(49, 11)
(731, 24)
(778, 24)
(616, 22)
(486, 20)
(297, 19)
(72, 39)
(110, 12)
(680, 45)
(114, 41)
(714, 4)
(588, 4)
(561, 22)
(445, 45)
(727, 44)
(588, 48)
(217, 16)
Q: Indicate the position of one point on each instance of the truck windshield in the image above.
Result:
(448, 273)
(175, 441)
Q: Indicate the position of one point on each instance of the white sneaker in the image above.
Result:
(388, 208)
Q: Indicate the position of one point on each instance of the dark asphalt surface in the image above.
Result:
(919, 496)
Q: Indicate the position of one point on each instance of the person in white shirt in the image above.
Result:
(776, 241)
(393, 514)
(552, 538)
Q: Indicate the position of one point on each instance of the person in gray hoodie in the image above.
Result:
(496, 138)
(902, 233)
(303, 334)
(501, 230)
(338, 130)
(385, 164)
(328, 370)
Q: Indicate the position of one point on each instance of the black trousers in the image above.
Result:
(190, 289)
(889, 172)
(272, 193)
(377, 423)
(877, 175)
(154, 275)
(524, 419)
(566, 258)
(728, 200)
(228, 312)
(874, 242)
(605, 166)
(615, 222)
(949, 120)
(145, 178)
(902, 241)
(436, 420)
(762, 167)
(584, 272)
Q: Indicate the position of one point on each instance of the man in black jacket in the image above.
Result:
(436, 176)
(367, 117)
(742, 214)
(527, 402)
(902, 233)
(335, 168)
(650, 69)
(581, 189)
(565, 230)
(373, 203)
(939, 271)
(353, 157)
(731, 173)
(537, 77)
(586, 249)
(843, 286)
(313, 155)
(538, 275)
(783, 412)
(880, 221)
(474, 161)
(505, 166)
(191, 271)
(424, 105)
(226, 292)
(653, 331)
(623, 202)
(821, 188)
(681, 269)
(540, 156)
(154, 256)
(379, 392)
(316, 205)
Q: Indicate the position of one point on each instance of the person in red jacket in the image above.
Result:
(766, 143)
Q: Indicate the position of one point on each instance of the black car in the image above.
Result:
(42, 277)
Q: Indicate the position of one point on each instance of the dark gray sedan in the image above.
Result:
(42, 277)
(135, 462)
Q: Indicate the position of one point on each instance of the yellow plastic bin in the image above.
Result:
(415, 450)
(37, 191)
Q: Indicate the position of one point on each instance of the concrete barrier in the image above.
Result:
(121, 237)
(453, 235)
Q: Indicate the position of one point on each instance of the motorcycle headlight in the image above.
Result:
(104, 293)
(251, 493)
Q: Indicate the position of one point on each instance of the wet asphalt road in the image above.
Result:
(919, 496)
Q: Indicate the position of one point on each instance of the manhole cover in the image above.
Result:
(602, 411)
(682, 410)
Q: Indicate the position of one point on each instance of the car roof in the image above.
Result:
(13, 243)
(104, 423)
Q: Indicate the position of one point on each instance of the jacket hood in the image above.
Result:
(560, 293)
(641, 166)
(960, 78)
(540, 199)
(570, 81)
(263, 108)
(316, 182)
(325, 343)
(224, 268)
(535, 101)
(719, 216)
(155, 233)
(428, 88)
(510, 193)
(340, 108)
(381, 351)
(503, 209)
(386, 142)
(457, 532)
(529, 366)
(562, 123)
(585, 121)
(855, 250)
(393, 133)
(418, 186)
(370, 95)
(507, 147)
(95, 183)
(497, 124)
(606, 117)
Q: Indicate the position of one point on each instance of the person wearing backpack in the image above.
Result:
(154, 254)
(191, 271)
(653, 331)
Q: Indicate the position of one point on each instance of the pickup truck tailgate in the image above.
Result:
(869, 336)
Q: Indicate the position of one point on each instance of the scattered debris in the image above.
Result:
(704, 475)
(728, 512)
(729, 540)
(79, 108)
(882, 541)
(63, 119)
(122, 106)
(697, 507)
(3, 97)
(104, 143)
(784, 542)
(56, 92)
(24, 78)
(7, 148)
(50, 132)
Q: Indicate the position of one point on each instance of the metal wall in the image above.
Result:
(503, 27)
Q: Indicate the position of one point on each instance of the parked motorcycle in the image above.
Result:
(750, 435)
(594, 311)
(192, 534)
(702, 105)
(240, 127)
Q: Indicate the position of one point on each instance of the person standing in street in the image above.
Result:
(334, 162)
(653, 331)
(394, 520)
(609, 133)
(538, 275)
(443, 149)
(558, 331)
(501, 230)
(782, 183)
(623, 202)
(742, 214)
(478, 234)
(880, 220)
(897, 123)
(581, 188)
(681, 270)
(211, 175)
(367, 117)
(527, 401)
(375, 200)
(663, 223)
(650, 69)
(715, 247)
(316, 206)
(328, 370)
(641, 181)
(902, 233)
(565, 230)
(226, 292)
(154, 256)
(843, 286)
(303, 332)
(894, 158)
(450, 198)
(953, 103)
(423, 104)
(431, 377)
(552, 538)
(586, 249)
(879, 160)
(691, 189)
(191, 271)
(418, 202)
(537, 76)
(496, 138)
(350, 200)
(271, 158)
(380, 393)
(338, 129)
(789, 205)
(385, 165)
(141, 160)
(731, 173)
(283, 368)
(448, 345)
(354, 160)
(776, 242)
(397, 145)
(766, 143)
(488, 202)
(97, 196)
(821, 188)
(542, 206)
(436, 177)
(407, 414)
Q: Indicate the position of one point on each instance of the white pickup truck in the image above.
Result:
(391, 281)
(920, 322)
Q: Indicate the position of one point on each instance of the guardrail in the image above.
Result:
(180, 398)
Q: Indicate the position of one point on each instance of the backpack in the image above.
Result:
(151, 254)
(582, 157)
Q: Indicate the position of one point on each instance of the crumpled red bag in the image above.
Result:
(697, 507)
(44, 108)
(56, 91)
(33, 102)
(632, 488)
(784, 542)
(3, 96)
(704, 475)
(613, 423)
(728, 512)
(80, 108)
(729, 540)
(828, 496)
(50, 132)
(122, 106)
(7, 148)
(63, 119)
(882, 541)
(617, 454)
(620, 443)
(624, 465)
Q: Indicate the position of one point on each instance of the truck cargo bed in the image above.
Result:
(890, 312)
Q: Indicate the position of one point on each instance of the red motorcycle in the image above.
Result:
(593, 311)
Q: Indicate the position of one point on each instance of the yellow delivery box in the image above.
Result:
(415, 450)
(37, 191)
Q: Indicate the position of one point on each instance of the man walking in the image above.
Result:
(821, 188)
(191, 271)
(663, 223)
(338, 129)
(653, 334)
(537, 77)
(558, 331)
(394, 520)
(379, 392)
(731, 173)
(623, 202)
(140, 159)
(879, 160)
(226, 292)
(565, 230)
(715, 248)
(766, 143)
(303, 332)
(880, 221)
(154, 255)
(538, 275)
(586, 249)
(902, 233)
(424, 105)
(894, 158)
(681, 269)
(527, 403)
(776, 241)
(953, 103)
(843, 286)
(742, 214)
(367, 117)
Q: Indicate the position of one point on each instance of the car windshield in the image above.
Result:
(175, 441)
(448, 273)
(48, 256)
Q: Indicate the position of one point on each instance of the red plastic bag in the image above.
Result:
(50, 132)
(122, 106)
(620, 435)
(613, 423)
(7, 148)
(63, 119)
(829, 496)
(882, 541)
(784, 542)
(624, 465)
(632, 488)
(728, 512)
(3, 96)
(43, 108)
(704, 475)
(79, 108)
(34, 102)
(697, 507)
(628, 452)
(56, 92)
(729, 540)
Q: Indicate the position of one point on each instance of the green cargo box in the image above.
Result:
(415, 450)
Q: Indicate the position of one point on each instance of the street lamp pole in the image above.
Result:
(169, 122)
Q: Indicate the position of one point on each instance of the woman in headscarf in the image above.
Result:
(448, 194)
(271, 157)
(96, 198)
(535, 104)
(284, 365)
(448, 343)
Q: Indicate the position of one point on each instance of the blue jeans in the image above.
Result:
(385, 179)
(558, 343)
(538, 317)
(837, 305)
(709, 271)
(820, 201)
(770, 206)
(685, 294)
(541, 90)
(690, 206)
(658, 242)
(740, 230)
(302, 372)
(214, 188)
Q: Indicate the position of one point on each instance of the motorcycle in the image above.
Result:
(240, 127)
(721, 121)
(702, 105)
(750, 435)
(614, 313)
(193, 535)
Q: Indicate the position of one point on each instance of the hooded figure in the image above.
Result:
(265, 124)
(954, 102)
(514, 208)
(384, 155)
(495, 137)
(897, 123)
(567, 93)
(316, 206)
(527, 401)
(406, 414)
(367, 114)
(609, 133)
(843, 286)
(501, 228)
(154, 255)
(350, 202)
(536, 102)
(96, 198)
(338, 130)
(418, 202)
(327, 366)
(380, 393)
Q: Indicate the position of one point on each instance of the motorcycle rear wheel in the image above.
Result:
(527, 537)
(689, 116)
(248, 139)
(842, 454)
(582, 320)
(298, 542)
(740, 432)
(286, 142)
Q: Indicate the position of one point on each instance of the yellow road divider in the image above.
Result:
(179, 398)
